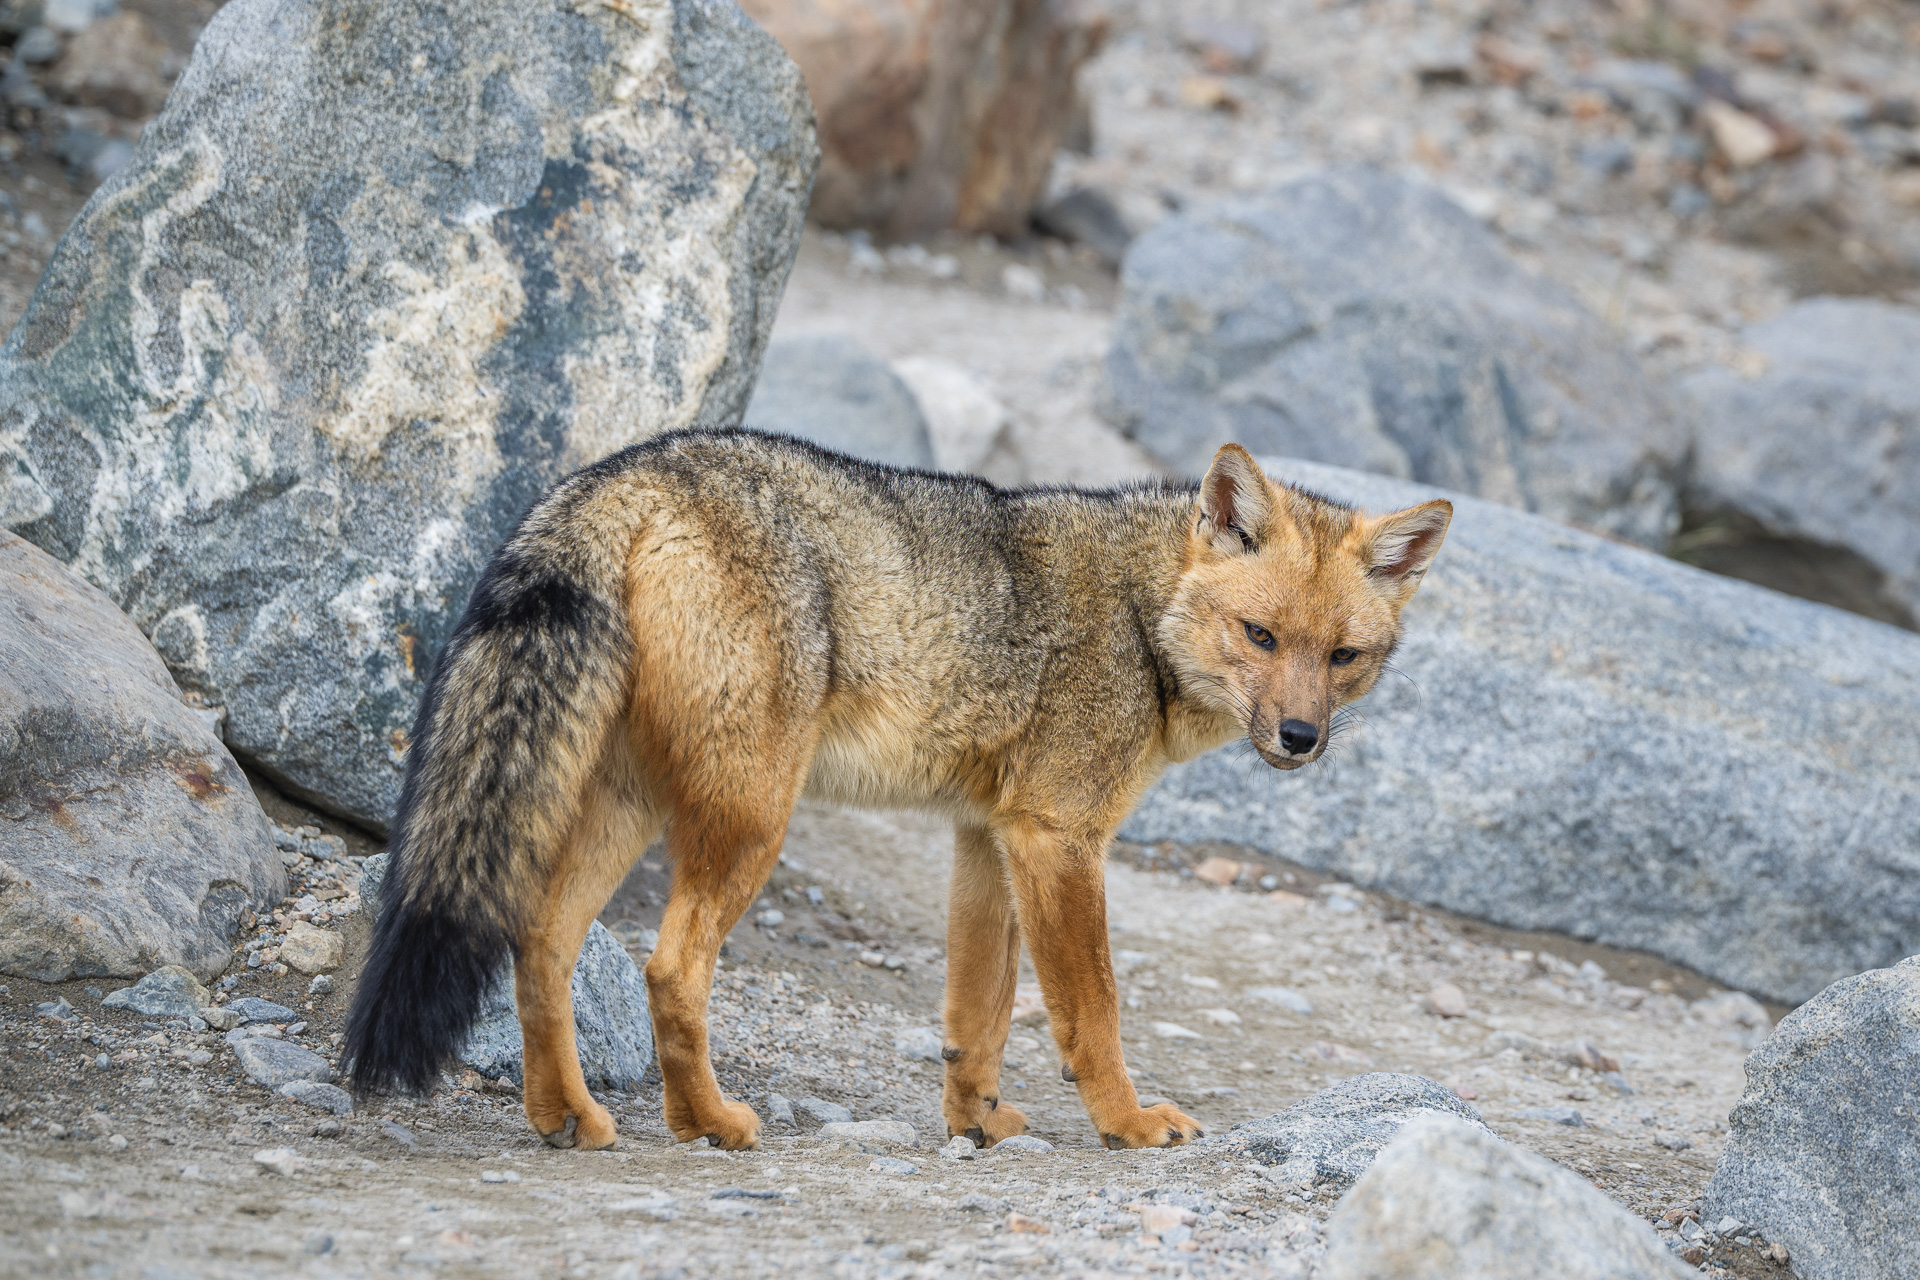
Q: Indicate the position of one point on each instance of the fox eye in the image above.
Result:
(1341, 657)
(1259, 635)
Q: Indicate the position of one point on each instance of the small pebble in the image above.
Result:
(499, 1175)
(960, 1147)
(321, 985)
(1023, 1142)
(892, 1167)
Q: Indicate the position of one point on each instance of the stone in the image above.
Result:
(1807, 462)
(831, 390)
(1174, 1031)
(897, 1132)
(221, 1018)
(1447, 1199)
(921, 1044)
(274, 1063)
(779, 1110)
(935, 116)
(1023, 1142)
(612, 1029)
(964, 419)
(254, 1009)
(821, 1111)
(322, 985)
(892, 1167)
(1333, 1135)
(1088, 216)
(1225, 46)
(1283, 998)
(1446, 1000)
(1217, 871)
(1568, 1116)
(1745, 140)
(1822, 1155)
(284, 1161)
(38, 45)
(133, 840)
(170, 992)
(399, 1133)
(959, 1147)
(282, 392)
(312, 950)
(118, 64)
(70, 17)
(330, 1098)
(1365, 320)
(1594, 748)
(58, 1010)
(1742, 1019)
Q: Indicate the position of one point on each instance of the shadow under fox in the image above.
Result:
(693, 633)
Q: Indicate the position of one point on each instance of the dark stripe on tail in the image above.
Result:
(522, 683)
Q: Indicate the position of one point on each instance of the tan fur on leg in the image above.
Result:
(983, 967)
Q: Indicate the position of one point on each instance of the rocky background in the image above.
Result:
(1636, 283)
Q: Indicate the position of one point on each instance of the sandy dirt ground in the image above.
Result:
(149, 1166)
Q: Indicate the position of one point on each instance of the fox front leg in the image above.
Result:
(1059, 881)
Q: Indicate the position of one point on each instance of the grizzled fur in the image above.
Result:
(693, 633)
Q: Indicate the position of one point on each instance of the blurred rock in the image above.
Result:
(1823, 1151)
(1225, 46)
(1366, 320)
(282, 391)
(935, 116)
(965, 420)
(132, 838)
(1743, 139)
(1806, 469)
(612, 1028)
(1332, 1136)
(1604, 743)
(118, 64)
(1448, 1200)
(1088, 216)
(38, 45)
(831, 390)
(69, 17)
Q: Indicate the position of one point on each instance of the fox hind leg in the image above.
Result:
(983, 965)
(614, 825)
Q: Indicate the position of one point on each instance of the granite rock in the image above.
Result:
(1447, 1199)
(1585, 738)
(1808, 471)
(1823, 1148)
(133, 841)
(372, 282)
(1332, 1136)
(276, 1063)
(169, 992)
(1365, 320)
(612, 1028)
(831, 390)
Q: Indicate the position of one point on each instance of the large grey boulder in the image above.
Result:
(1332, 1136)
(1807, 463)
(831, 390)
(129, 839)
(1450, 1201)
(1587, 738)
(1365, 320)
(376, 278)
(612, 1027)
(1823, 1150)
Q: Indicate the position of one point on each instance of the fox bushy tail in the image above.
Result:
(518, 707)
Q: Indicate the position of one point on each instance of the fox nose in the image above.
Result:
(1298, 737)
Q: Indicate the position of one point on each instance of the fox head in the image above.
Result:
(1289, 604)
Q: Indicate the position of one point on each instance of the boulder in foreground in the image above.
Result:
(1332, 1136)
(376, 278)
(1365, 320)
(1589, 739)
(131, 838)
(1448, 1200)
(1823, 1149)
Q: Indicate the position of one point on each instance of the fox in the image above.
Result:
(687, 637)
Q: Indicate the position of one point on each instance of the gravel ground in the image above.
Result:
(158, 1165)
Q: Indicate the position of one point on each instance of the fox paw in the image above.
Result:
(987, 1125)
(734, 1127)
(588, 1129)
(1162, 1125)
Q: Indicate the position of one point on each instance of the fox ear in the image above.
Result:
(1399, 547)
(1235, 502)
